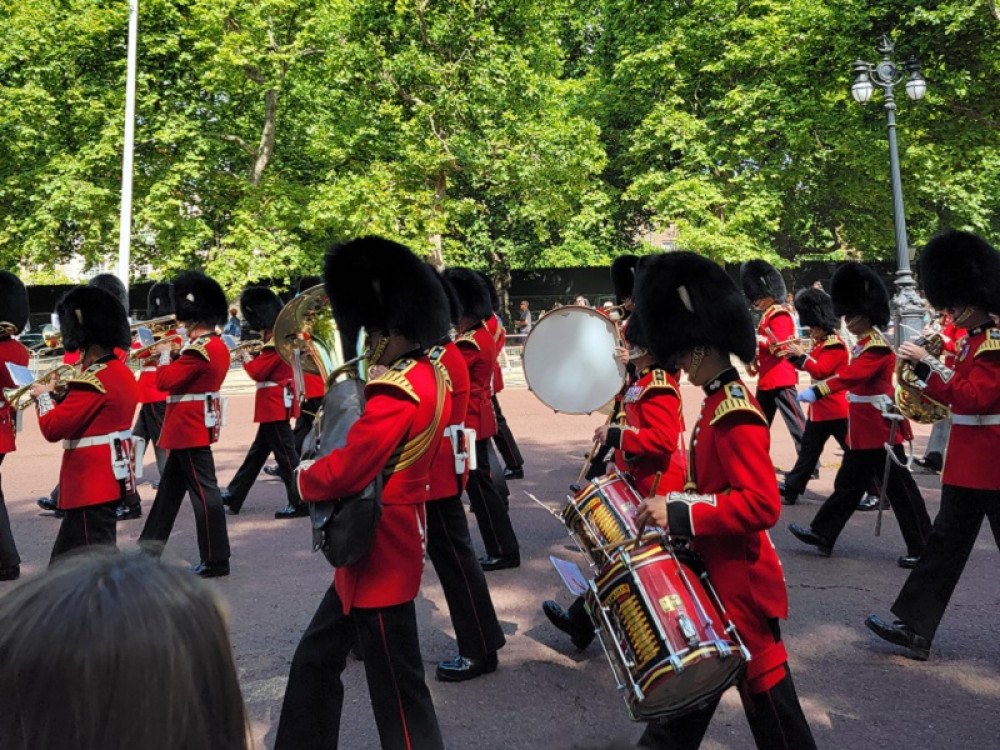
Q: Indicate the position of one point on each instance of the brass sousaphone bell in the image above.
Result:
(306, 333)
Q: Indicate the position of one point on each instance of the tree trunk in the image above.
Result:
(993, 9)
(435, 239)
(267, 135)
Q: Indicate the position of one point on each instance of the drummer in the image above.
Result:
(693, 312)
(649, 443)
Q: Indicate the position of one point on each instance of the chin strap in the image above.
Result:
(697, 357)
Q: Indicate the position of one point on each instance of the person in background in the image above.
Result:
(13, 318)
(581, 301)
(818, 285)
(523, 323)
(136, 653)
(232, 327)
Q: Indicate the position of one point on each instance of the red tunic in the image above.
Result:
(189, 381)
(275, 399)
(476, 346)
(868, 377)
(499, 341)
(402, 404)
(728, 520)
(973, 388)
(826, 359)
(100, 401)
(148, 392)
(314, 385)
(444, 481)
(651, 440)
(14, 352)
(776, 325)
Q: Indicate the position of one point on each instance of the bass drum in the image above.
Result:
(569, 360)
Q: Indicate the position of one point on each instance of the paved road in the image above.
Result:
(857, 692)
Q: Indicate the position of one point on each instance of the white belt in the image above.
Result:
(453, 430)
(880, 400)
(192, 397)
(88, 442)
(147, 369)
(266, 384)
(976, 420)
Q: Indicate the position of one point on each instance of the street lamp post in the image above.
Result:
(886, 75)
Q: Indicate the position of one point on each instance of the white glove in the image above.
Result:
(808, 396)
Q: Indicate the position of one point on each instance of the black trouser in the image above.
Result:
(272, 437)
(191, 470)
(858, 471)
(496, 474)
(305, 421)
(314, 696)
(813, 440)
(449, 547)
(491, 511)
(8, 550)
(924, 597)
(93, 525)
(148, 425)
(783, 400)
(504, 440)
(775, 718)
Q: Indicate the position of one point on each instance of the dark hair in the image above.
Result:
(108, 652)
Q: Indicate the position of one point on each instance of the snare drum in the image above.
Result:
(603, 514)
(670, 644)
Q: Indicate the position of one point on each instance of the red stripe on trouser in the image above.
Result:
(86, 534)
(468, 589)
(395, 685)
(204, 504)
(796, 412)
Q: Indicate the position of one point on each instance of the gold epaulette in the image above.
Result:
(833, 340)
(660, 382)
(469, 337)
(89, 378)
(736, 400)
(992, 343)
(269, 344)
(199, 347)
(395, 376)
(875, 341)
(434, 355)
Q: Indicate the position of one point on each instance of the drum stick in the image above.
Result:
(648, 536)
(590, 457)
(555, 514)
(652, 493)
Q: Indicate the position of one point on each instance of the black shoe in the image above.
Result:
(155, 484)
(788, 497)
(10, 573)
(500, 563)
(211, 569)
(292, 511)
(929, 464)
(809, 536)
(517, 473)
(128, 512)
(463, 668)
(900, 634)
(271, 471)
(232, 508)
(868, 502)
(908, 561)
(560, 618)
(47, 503)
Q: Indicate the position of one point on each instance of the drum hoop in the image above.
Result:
(568, 309)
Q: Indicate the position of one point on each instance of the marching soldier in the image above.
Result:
(860, 296)
(650, 442)
(776, 377)
(275, 404)
(960, 273)
(476, 345)
(153, 401)
(13, 318)
(693, 314)
(192, 424)
(827, 417)
(381, 286)
(93, 419)
(449, 544)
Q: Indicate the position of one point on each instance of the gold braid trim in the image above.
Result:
(417, 446)
(659, 383)
(875, 341)
(396, 377)
(435, 355)
(198, 346)
(992, 343)
(89, 378)
(469, 337)
(736, 401)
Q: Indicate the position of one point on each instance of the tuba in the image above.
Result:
(306, 333)
(910, 398)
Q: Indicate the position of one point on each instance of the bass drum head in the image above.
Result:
(569, 360)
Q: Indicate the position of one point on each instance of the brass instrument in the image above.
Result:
(780, 348)
(175, 339)
(16, 396)
(910, 398)
(253, 346)
(305, 332)
(158, 326)
(8, 329)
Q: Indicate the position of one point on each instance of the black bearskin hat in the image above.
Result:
(199, 299)
(760, 279)
(684, 300)
(815, 308)
(857, 290)
(473, 293)
(494, 297)
(378, 284)
(260, 307)
(89, 315)
(308, 282)
(113, 286)
(159, 301)
(454, 305)
(13, 301)
(633, 333)
(623, 276)
(961, 268)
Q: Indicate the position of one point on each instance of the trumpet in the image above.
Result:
(8, 329)
(158, 326)
(780, 348)
(251, 346)
(175, 339)
(51, 337)
(16, 396)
